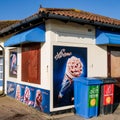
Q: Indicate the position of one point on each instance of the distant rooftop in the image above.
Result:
(4, 24)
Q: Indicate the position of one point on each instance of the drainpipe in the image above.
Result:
(3, 91)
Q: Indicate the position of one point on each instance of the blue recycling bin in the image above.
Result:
(86, 96)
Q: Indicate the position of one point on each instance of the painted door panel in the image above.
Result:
(115, 63)
(31, 63)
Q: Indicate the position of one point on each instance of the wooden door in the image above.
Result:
(114, 62)
(114, 70)
(31, 63)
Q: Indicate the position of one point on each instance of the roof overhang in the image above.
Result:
(107, 38)
(41, 17)
(36, 34)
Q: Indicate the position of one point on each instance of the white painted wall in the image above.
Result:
(44, 68)
(45, 62)
(97, 61)
(64, 34)
(71, 34)
(79, 35)
(7, 77)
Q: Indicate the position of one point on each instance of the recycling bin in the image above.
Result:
(86, 96)
(107, 96)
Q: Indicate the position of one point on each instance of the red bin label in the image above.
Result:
(108, 94)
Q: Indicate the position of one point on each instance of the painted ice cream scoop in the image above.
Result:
(74, 68)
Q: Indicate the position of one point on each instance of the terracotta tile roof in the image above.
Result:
(74, 13)
(4, 24)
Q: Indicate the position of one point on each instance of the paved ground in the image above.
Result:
(11, 109)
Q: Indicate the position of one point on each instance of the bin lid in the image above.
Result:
(88, 81)
(107, 80)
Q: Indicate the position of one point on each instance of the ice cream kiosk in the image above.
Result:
(44, 54)
(41, 74)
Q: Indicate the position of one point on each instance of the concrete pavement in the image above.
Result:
(11, 109)
(71, 116)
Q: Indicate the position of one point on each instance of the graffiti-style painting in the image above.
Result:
(13, 63)
(68, 63)
(32, 96)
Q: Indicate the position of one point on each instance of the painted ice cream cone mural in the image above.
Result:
(13, 64)
(74, 68)
(68, 63)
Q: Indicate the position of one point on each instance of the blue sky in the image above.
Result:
(20, 9)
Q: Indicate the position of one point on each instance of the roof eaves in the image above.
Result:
(46, 14)
(82, 21)
(22, 25)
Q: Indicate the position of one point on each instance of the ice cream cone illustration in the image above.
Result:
(18, 92)
(74, 68)
(38, 100)
(27, 95)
